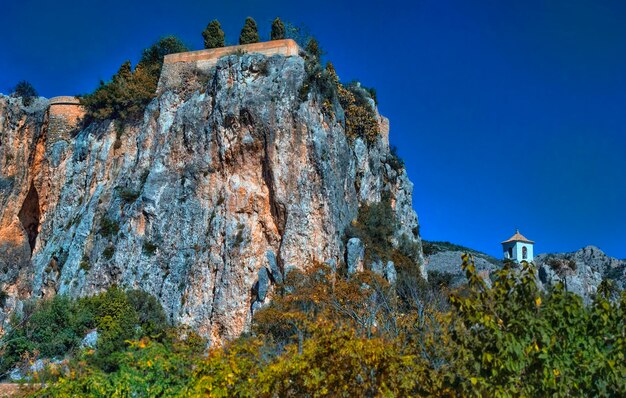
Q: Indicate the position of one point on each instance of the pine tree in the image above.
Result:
(213, 35)
(278, 30)
(249, 33)
(25, 90)
(313, 48)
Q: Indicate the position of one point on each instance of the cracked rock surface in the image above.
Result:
(192, 202)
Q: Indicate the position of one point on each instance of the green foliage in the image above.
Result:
(128, 195)
(278, 30)
(249, 33)
(108, 252)
(127, 94)
(325, 335)
(213, 35)
(394, 160)
(26, 91)
(108, 227)
(152, 319)
(516, 341)
(149, 248)
(147, 368)
(361, 121)
(53, 328)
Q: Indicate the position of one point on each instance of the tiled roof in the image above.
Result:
(518, 238)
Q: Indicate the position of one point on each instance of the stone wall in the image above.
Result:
(64, 115)
(178, 68)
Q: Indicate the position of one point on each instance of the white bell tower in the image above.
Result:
(518, 248)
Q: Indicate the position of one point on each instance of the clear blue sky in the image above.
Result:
(507, 113)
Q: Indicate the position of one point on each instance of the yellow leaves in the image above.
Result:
(556, 372)
(538, 301)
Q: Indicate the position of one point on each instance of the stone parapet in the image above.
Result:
(64, 115)
(178, 67)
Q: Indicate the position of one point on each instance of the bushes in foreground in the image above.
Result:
(325, 335)
(54, 328)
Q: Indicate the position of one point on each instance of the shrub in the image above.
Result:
(249, 33)
(109, 252)
(108, 227)
(394, 160)
(361, 121)
(128, 195)
(26, 91)
(313, 49)
(152, 319)
(278, 30)
(149, 248)
(52, 328)
(213, 35)
(127, 94)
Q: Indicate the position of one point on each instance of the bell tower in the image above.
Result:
(518, 248)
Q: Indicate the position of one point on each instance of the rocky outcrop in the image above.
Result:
(189, 202)
(582, 271)
(446, 265)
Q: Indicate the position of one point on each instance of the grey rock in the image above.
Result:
(274, 269)
(448, 264)
(355, 255)
(223, 172)
(263, 284)
(90, 340)
(378, 267)
(581, 272)
(390, 272)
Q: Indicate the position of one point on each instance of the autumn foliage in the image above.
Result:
(327, 335)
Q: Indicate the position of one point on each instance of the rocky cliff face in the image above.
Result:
(581, 271)
(204, 203)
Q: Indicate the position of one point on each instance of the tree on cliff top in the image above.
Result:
(213, 35)
(128, 92)
(249, 33)
(25, 90)
(278, 30)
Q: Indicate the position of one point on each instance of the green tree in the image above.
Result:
(127, 94)
(213, 35)
(313, 48)
(25, 90)
(278, 30)
(249, 33)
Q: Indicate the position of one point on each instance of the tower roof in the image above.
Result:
(518, 238)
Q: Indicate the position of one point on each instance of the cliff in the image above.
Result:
(582, 271)
(228, 181)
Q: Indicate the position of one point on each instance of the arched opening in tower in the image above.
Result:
(29, 216)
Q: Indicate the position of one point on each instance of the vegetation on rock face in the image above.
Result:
(129, 91)
(26, 91)
(357, 102)
(249, 33)
(213, 35)
(278, 30)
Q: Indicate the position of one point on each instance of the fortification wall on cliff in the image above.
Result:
(64, 116)
(177, 68)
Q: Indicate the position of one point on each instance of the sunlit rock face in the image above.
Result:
(582, 271)
(221, 178)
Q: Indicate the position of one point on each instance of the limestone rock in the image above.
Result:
(273, 264)
(582, 271)
(355, 255)
(190, 198)
(263, 284)
(90, 340)
(390, 272)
